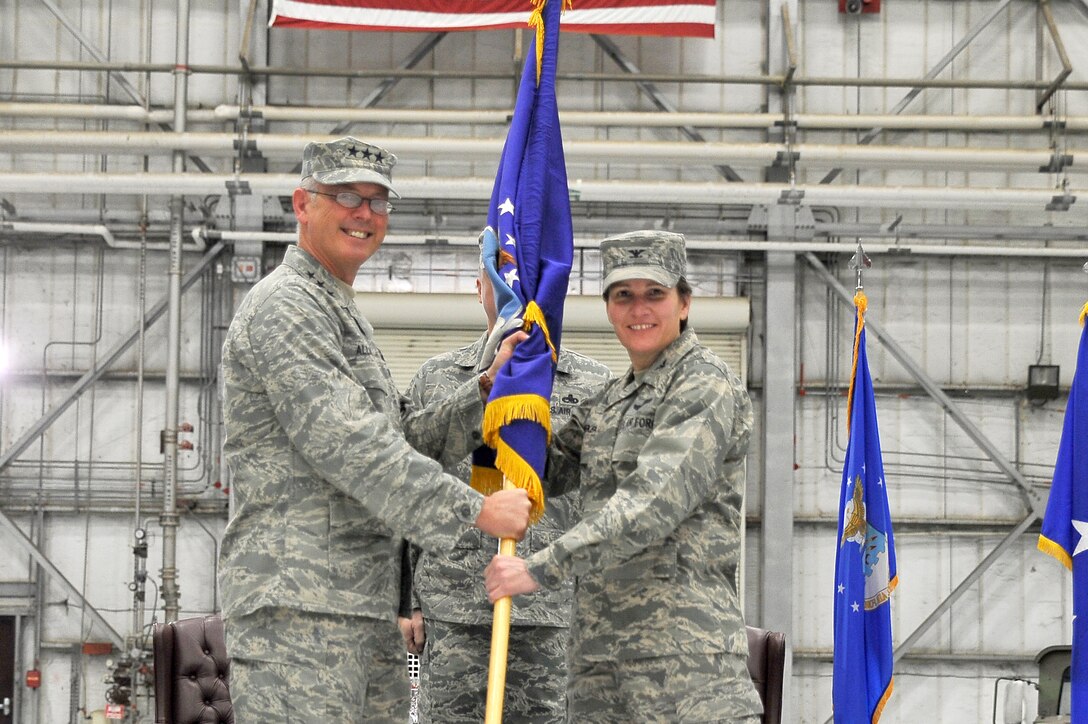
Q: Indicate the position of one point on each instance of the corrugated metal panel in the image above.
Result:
(406, 349)
(395, 310)
(411, 328)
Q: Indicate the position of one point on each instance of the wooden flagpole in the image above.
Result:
(500, 639)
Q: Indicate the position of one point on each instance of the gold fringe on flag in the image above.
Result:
(883, 701)
(515, 407)
(536, 21)
(502, 412)
(1083, 313)
(485, 480)
(861, 302)
(535, 315)
(522, 475)
(1053, 549)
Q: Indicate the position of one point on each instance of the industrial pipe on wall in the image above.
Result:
(286, 146)
(674, 193)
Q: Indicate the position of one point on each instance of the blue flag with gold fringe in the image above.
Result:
(1065, 525)
(865, 570)
(529, 224)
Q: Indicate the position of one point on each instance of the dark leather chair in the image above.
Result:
(192, 672)
(767, 665)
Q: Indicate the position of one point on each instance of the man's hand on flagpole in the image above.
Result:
(508, 576)
(505, 352)
(494, 339)
(415, 636)
(505, 514)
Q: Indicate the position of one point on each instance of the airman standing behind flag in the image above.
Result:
(657, 633)
(456, 619)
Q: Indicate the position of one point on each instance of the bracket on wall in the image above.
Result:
(857, 7)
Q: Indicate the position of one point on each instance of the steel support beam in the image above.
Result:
(1059, 46)
(420, 52)
(57, 577)
(122, 82)
(656, 97)
(1034, 501)
(779, 410)
(965, 584)
(932, 74)
(100, 367)
(93, 50)
(387, 84)
(6, 523)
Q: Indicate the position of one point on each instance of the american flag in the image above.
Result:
(688, 18)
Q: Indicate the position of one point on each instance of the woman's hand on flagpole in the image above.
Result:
(508, 576)
(505, 514)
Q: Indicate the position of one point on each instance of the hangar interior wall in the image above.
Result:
(921, 132)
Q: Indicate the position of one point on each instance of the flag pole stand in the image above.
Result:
(500, 639)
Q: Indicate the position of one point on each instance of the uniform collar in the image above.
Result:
(469, 357)
(659, 370)
(310, 268)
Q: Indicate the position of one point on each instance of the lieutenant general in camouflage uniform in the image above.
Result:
(325, 478)
(450, 590)
(656, 633)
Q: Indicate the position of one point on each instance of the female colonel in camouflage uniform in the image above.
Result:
(656, 633)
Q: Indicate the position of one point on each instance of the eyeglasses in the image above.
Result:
(352, 200)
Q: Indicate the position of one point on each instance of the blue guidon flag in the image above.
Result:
(528, 248)
(1065, 525)
(865, 570)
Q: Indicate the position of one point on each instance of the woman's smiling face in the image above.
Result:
(646, 317)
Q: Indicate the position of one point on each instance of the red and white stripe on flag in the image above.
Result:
(688, 18)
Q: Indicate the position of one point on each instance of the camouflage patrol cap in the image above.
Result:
(655, 255)
(349, 161)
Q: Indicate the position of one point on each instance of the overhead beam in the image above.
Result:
(1032, 498)
(103, 364)
(931, 75)
(122, 82)
(657, 98)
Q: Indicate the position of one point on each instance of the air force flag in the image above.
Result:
(865, 571)
(1065, 525)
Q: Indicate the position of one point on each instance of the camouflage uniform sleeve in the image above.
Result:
(676, 470)
(409, 596)
(338, 430)
(446, 429)
(562, 472)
